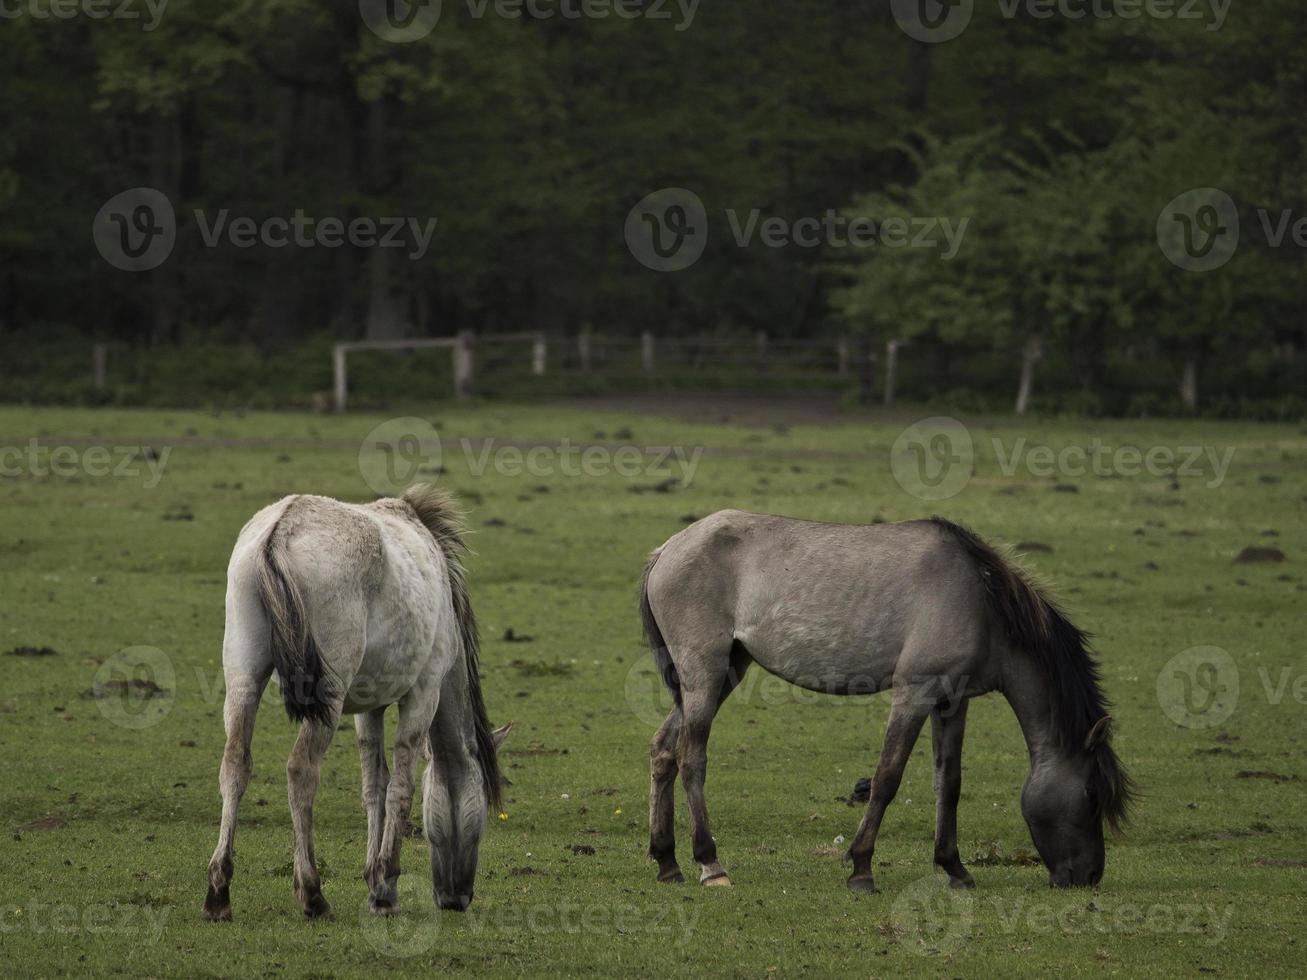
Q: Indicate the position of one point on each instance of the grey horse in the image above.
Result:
(358, 607)
(923, 608)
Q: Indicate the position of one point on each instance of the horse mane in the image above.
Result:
(439, 514)
(1036, 625)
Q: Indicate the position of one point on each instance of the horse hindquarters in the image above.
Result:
(701, 662)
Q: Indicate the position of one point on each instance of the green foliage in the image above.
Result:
(1057, 140)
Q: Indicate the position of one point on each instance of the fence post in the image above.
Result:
(463, 364)
(891, 368)
(100, 363)
(338, 373)
(762, 350)
(583, 350)
(539, 355)
(1029, 356)
(842, 354)
(647, 351)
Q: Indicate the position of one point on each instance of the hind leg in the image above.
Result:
(946, 730)
(906, 717)
(706, 682)
(303, 769)
(662, 802)
(239, 711)
(247, 665)
(371, 730)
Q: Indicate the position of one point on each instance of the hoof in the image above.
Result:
(317, 908)
(673, 877)
(217, 905)
(455, 903)
(967, 882)
(718, 880)
(383, 907)
(863, 883)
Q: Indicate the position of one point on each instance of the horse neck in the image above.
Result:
(1026, 688)
(456, 701)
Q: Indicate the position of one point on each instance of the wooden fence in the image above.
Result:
(841, 358)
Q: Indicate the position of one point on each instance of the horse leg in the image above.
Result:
(371, 730)
(906, 717)
(715, 681)
(946, 730)
(416, 711)
(302, 772)
(662, 802)
(239, 710)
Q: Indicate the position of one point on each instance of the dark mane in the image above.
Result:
(438, 514)
(1034, 624)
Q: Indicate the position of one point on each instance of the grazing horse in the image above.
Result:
(924, 608)
(358, 608)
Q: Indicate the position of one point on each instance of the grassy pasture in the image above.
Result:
(110, 804)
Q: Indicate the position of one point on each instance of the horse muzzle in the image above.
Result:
(1070, 877)
(458, 903)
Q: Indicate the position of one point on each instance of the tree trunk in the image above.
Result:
(275, 314)
(867, 362)
(166, 159)
(1189, 384)
(891, 368)
(385, 319)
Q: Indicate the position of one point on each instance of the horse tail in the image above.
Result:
(440, 516)
(1034, 624)
(654, 636)
(307, 691)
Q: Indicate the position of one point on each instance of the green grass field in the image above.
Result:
(110, 804)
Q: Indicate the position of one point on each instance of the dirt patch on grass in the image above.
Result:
(1257, 554)
(137, 687)
(1275, 777)
(45, 823)
(993, 853)
(32, 652)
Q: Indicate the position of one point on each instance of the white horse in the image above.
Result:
(358, 607)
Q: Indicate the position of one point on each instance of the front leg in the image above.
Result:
(382, 874)
(947, 725)
(906, 717)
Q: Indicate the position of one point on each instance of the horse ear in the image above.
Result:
(1099, 734)
(501, 733)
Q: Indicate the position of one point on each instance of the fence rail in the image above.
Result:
(881, 370)
(592, 350)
